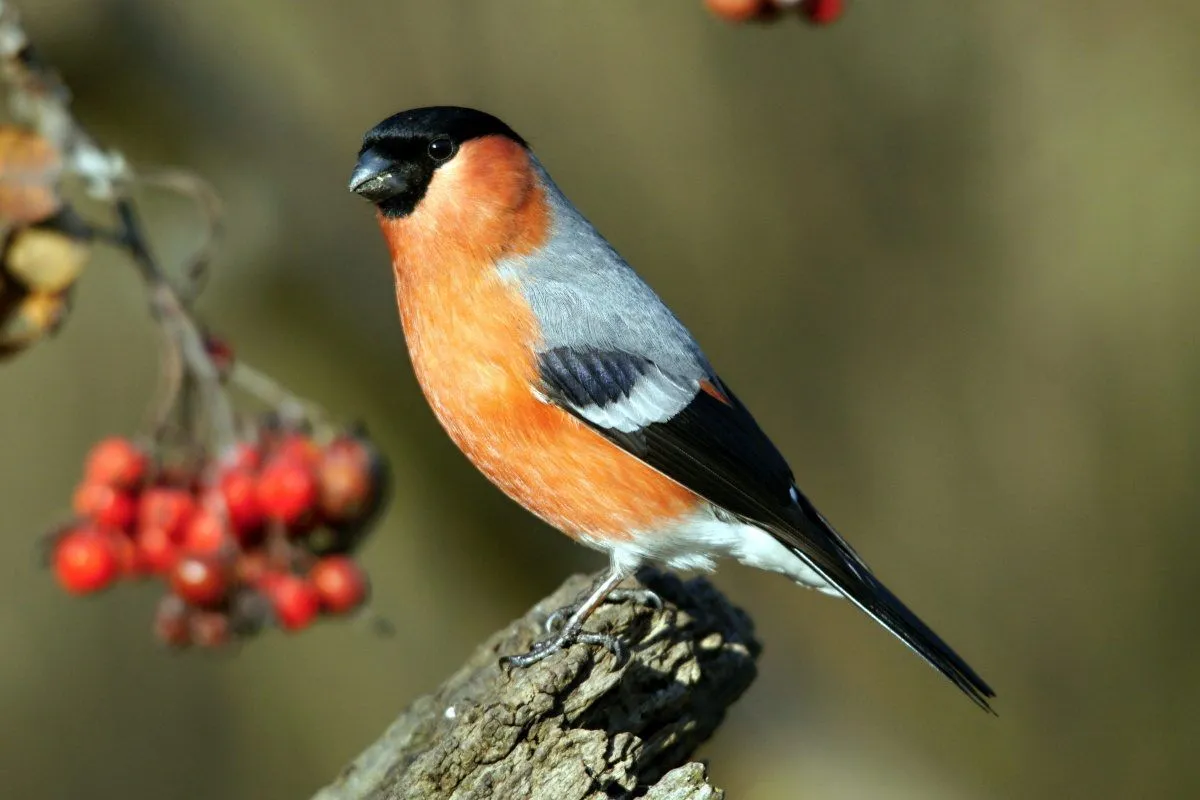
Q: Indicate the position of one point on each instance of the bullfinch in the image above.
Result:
(566, 380)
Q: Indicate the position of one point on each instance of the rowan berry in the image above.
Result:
(200, 580)
(105, 505)
(822, 12)
(340, 583)
(348, 478)
(86, 561)
(156, 552)
(117, 462)
(294, 601)
(239, 490)
(287, 492)
(206, 534)
(168, 508)
(740, 10)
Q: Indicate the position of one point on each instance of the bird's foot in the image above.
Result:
(643, 596)
(571, 618)
(561, 641)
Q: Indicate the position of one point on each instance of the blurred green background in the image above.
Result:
(946, 252)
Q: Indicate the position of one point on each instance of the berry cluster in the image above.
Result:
(263, 534)
(815, 12)
(246, 520)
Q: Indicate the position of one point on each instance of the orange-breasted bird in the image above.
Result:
(568, 382)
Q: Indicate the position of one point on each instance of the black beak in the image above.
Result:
(374, 179)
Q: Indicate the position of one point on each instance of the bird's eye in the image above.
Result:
(441, 149)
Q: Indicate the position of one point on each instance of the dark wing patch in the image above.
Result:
(713, 446)
(591, 377)
(612, 390)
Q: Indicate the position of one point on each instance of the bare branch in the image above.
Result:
(576, 725)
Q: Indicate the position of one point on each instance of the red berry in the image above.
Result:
(294, 600)
(348, 479)
(340, 582)
(156, 552)
(206, 534)
(172, 621)
(116, 462)
(243, 455)
(86, 561)
(200, 580)
(105, 505)
(822, 12)
(167, 508)
(211, 629)
(287, 492)
(298, 447)
(239, 490)
(126, 550)
(739, 10)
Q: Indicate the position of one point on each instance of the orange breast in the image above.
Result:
(472, 339)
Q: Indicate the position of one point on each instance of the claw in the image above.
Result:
(572, 617)
(548, 647)
(643, 596)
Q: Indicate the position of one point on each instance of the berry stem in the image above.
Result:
(265, 388)
(168, 308)
(40, 99)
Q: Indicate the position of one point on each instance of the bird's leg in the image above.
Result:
(642, 596)
(572, 630)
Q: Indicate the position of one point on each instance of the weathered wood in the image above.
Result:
(577, 725)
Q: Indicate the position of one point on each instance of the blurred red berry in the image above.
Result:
(206, 534)
(104, 504)
(126, 552)
(167, 508)
(243, 455)
(156, 551)
(86, 561)
(200, 580)
(740, 10)
(239, 489)
(298, 447)
(287, 492)
(340, 583)
(822, 12)
(294, 600)
(116, 462)
(211, 629)
(348, 480)
(172, 621)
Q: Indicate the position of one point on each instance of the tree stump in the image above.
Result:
(578, 725)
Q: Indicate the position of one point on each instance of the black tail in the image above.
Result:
(886, 609)
(814, 540)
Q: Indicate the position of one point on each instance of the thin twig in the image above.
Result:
(169, 310)
(201, 192)
(274, 394)
(40, 99)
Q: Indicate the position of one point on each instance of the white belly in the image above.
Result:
(696, 543)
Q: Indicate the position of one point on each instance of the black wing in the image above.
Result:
(699, 434)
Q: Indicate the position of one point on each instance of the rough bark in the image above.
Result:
(577, 725)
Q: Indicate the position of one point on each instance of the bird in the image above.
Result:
(567, 381)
